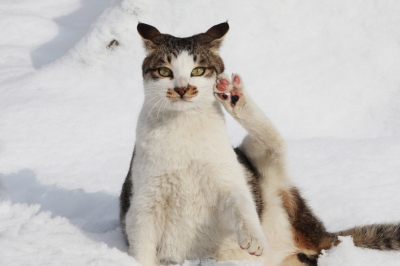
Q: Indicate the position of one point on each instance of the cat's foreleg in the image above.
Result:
(248, 229)
(242, 215)
(142, 231)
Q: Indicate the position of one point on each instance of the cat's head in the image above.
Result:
(179, 73)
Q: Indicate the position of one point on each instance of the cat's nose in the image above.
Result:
(181, 91)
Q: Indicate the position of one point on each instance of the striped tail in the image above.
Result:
(311, 237)
(376, 236)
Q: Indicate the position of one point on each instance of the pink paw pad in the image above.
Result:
(224, 81)
(233, 95)
(221, 87)
(223, 84)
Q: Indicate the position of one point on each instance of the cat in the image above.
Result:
(190, 195)
(186, 190)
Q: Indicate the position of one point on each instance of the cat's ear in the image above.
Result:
(149, 35)
(217, 34)
(147, 32)
(218, 31)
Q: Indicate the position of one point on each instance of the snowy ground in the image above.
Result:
(326, 72)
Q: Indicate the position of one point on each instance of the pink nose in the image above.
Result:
(181, 91)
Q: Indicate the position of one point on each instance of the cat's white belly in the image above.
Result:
(191, 225)
(188, 212)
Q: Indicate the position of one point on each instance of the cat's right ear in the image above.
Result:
(148, 34)
(217, 34)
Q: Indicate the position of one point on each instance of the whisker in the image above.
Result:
(160, 108)
(150, 100)
(152, 93)
(153, 108)
(165, 113)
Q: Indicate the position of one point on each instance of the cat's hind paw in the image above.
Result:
(229, 91)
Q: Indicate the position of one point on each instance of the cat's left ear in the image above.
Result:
(217, 34)
(150, 35)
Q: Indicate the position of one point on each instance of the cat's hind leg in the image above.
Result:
(238, 103)
(264, 148)
(263, 145)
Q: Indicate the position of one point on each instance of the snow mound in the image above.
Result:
(35, 238)
(346, 254)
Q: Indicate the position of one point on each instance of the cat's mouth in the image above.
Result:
(181, 104)
(188, 100)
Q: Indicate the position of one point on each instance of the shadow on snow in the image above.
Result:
(96, 214)
(71, 28)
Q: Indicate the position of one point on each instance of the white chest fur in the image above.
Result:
(182, 170)
(176, 142)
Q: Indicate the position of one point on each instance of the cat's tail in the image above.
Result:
(376, 236)
(310, 233)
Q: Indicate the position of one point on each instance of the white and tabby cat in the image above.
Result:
(189, 195)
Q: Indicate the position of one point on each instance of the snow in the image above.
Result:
(42, 240)
(346, 254)
(326, 72)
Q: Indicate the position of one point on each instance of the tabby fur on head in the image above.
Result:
(179, 73)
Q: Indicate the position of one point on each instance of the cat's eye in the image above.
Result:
(198, 71)
(165, 72)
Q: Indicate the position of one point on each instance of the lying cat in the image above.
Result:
(189, 195)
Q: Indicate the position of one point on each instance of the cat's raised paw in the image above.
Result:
(229, 90)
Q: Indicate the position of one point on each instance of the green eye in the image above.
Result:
(165, 72)
(198, 71)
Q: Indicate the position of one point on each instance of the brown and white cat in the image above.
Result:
(189, 195)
